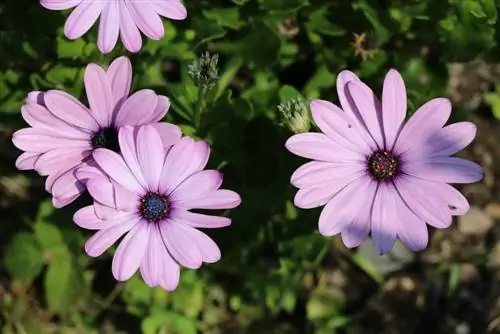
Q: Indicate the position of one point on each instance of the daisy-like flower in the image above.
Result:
(375, 173)
(148, 197)
(125, 18)
(64, 132)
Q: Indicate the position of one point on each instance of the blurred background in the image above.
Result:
(277, 274)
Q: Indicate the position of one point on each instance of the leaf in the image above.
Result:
(454, 278)
(225, 17)
(154, 322)
(319, 22)
(260, 47)
(70, 49)
(371, 14)
(64, 283)
(288, 6)
(23, 257)
(287, 93)
(324, 303)
(49, 237)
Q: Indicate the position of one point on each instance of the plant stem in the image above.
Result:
(202, 91)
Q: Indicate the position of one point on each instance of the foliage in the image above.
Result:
(270, 51)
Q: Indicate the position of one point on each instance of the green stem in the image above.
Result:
(202, 92)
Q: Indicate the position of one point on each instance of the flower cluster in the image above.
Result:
(374, 173)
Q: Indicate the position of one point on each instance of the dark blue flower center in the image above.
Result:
(383, 165)
(154, 207)
(106, 138)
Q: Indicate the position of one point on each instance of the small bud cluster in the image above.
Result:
(204, 71)
(295, 115)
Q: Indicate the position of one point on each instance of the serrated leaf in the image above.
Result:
(23, 257)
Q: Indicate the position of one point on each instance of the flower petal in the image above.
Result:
(446, 169)
(146, 18)
(131, 251)
(59, 4)
(82, 18)
(199, 220)
(161, 109)
(317, 173)
(70, 110)
(130, 34)
(40, 141)
(173, 9)
(412, 230)
(170, 134)
(218, 199)
(151, 164)
(60, 159)
(99, 94)
(109, 27)
(393, 106)
(384, 219)
(127, 136)
(210, 252)
(357, 231)
(457, 203)
(197, 186)
(26, 161)
(137, 109)
(181, 244)
(119, 75)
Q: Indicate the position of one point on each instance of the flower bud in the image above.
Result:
(204, 71)
(295, 115)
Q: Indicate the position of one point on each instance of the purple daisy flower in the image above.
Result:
(147, 194)
(64, 132)
(376, 174)
(125, 18)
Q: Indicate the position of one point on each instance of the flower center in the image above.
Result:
(106, 138)
(383, 165)
(154, 207)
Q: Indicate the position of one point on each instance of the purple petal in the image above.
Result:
(146, 18)
(197, 186)
(130, 34)
(82, 18)
(103, 192)
(426, 121)
(173, 9)
(131, 251)
(412, 230)
(393, 106)
(345, 99)
(181, 244)
(127, 140)
(171, 274)
(339, 127)
(344, 207)
(170, 134)
(59, 4)
(218, 199)
(161, 109)
(317, 146)
(35, 97)
(26, 161)
(446, 169)
(357, 231)
(199, 220)
(384, 219)
(109, 27)
(87, 218)
(99, 94)
(317, 173)
(40, 141)
(60, 159)
(151, 163)
(137, 109)
(210, 252)
(420, 197)
(367, 108)
(70, 110)
(67, 185)
(60, 202)
(457, 203)
(103, 239)
(119, 74)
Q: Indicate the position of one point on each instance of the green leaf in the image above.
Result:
(49, 237)
(260, 47)
(70, 49)
(64, 284)
(153, 323)
(23, 257)
(287, 93)
(371, 14)
(282, 5)
(324, 303)
(319, 22)
(225, 17)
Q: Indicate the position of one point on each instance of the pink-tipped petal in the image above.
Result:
(130, 34)
(60, 202)
(199, 220)
(59, 4)
(172, 9)
(70, 110)
(60, 159)
(119, 75)
(151, 163)
(109, 27)
(171, 272)
(197, 186)
(384, 219)
(131, 251)
(146, 18)
(137, 109)
(99, 94)
(218, 199)
(210, 252)
(181, 244)
(26, 161)
(82, 18)
(393, 106)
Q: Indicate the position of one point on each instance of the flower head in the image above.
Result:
(64, 132)
(125, 18)
(295, 115)
(147, 193)
(375, 173)
(204, 71)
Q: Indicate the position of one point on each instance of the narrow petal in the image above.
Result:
(131, 251)
(357, 231)
(152, 263)
(35, 97)
(317, 146)
(127, 139)
(130, 34)
(26, 161)
(172, 9)
(99, 94)
(337, 125)
(103, 239)
(318, 173)
(171, 272)
(457, 203)
(82, 18)
(307, 198)
(59, 4)
(426, 121)
(109, 27)
(114, 165)
(40, 141)
(384, 219)
(367, 107)
(446, 169)
(199, 220)
(344, 97)
(184, 159)
(219, 199)
(170, 134)
(344, 207)
(105, 212)
(87, 218)
(137, 108)
(60, 159)
(67, 185)
(151, 164)
(210, 252)
(70, 110)
(181, 244)
(146, 18)
(422, 200)
(161, 109)
(393, 106)
(103, 192)
(412, 230)
(197, 186)
(60, 202)
(119, 75)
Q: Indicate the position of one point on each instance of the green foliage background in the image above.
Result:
(269, 279)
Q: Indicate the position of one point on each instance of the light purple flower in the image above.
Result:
(148, 197)
(125, 18)
(375, 173)
(64, 132)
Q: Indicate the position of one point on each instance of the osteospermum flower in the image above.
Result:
(148, 197)
(64, 132)
(125, 18)
(375, 173)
